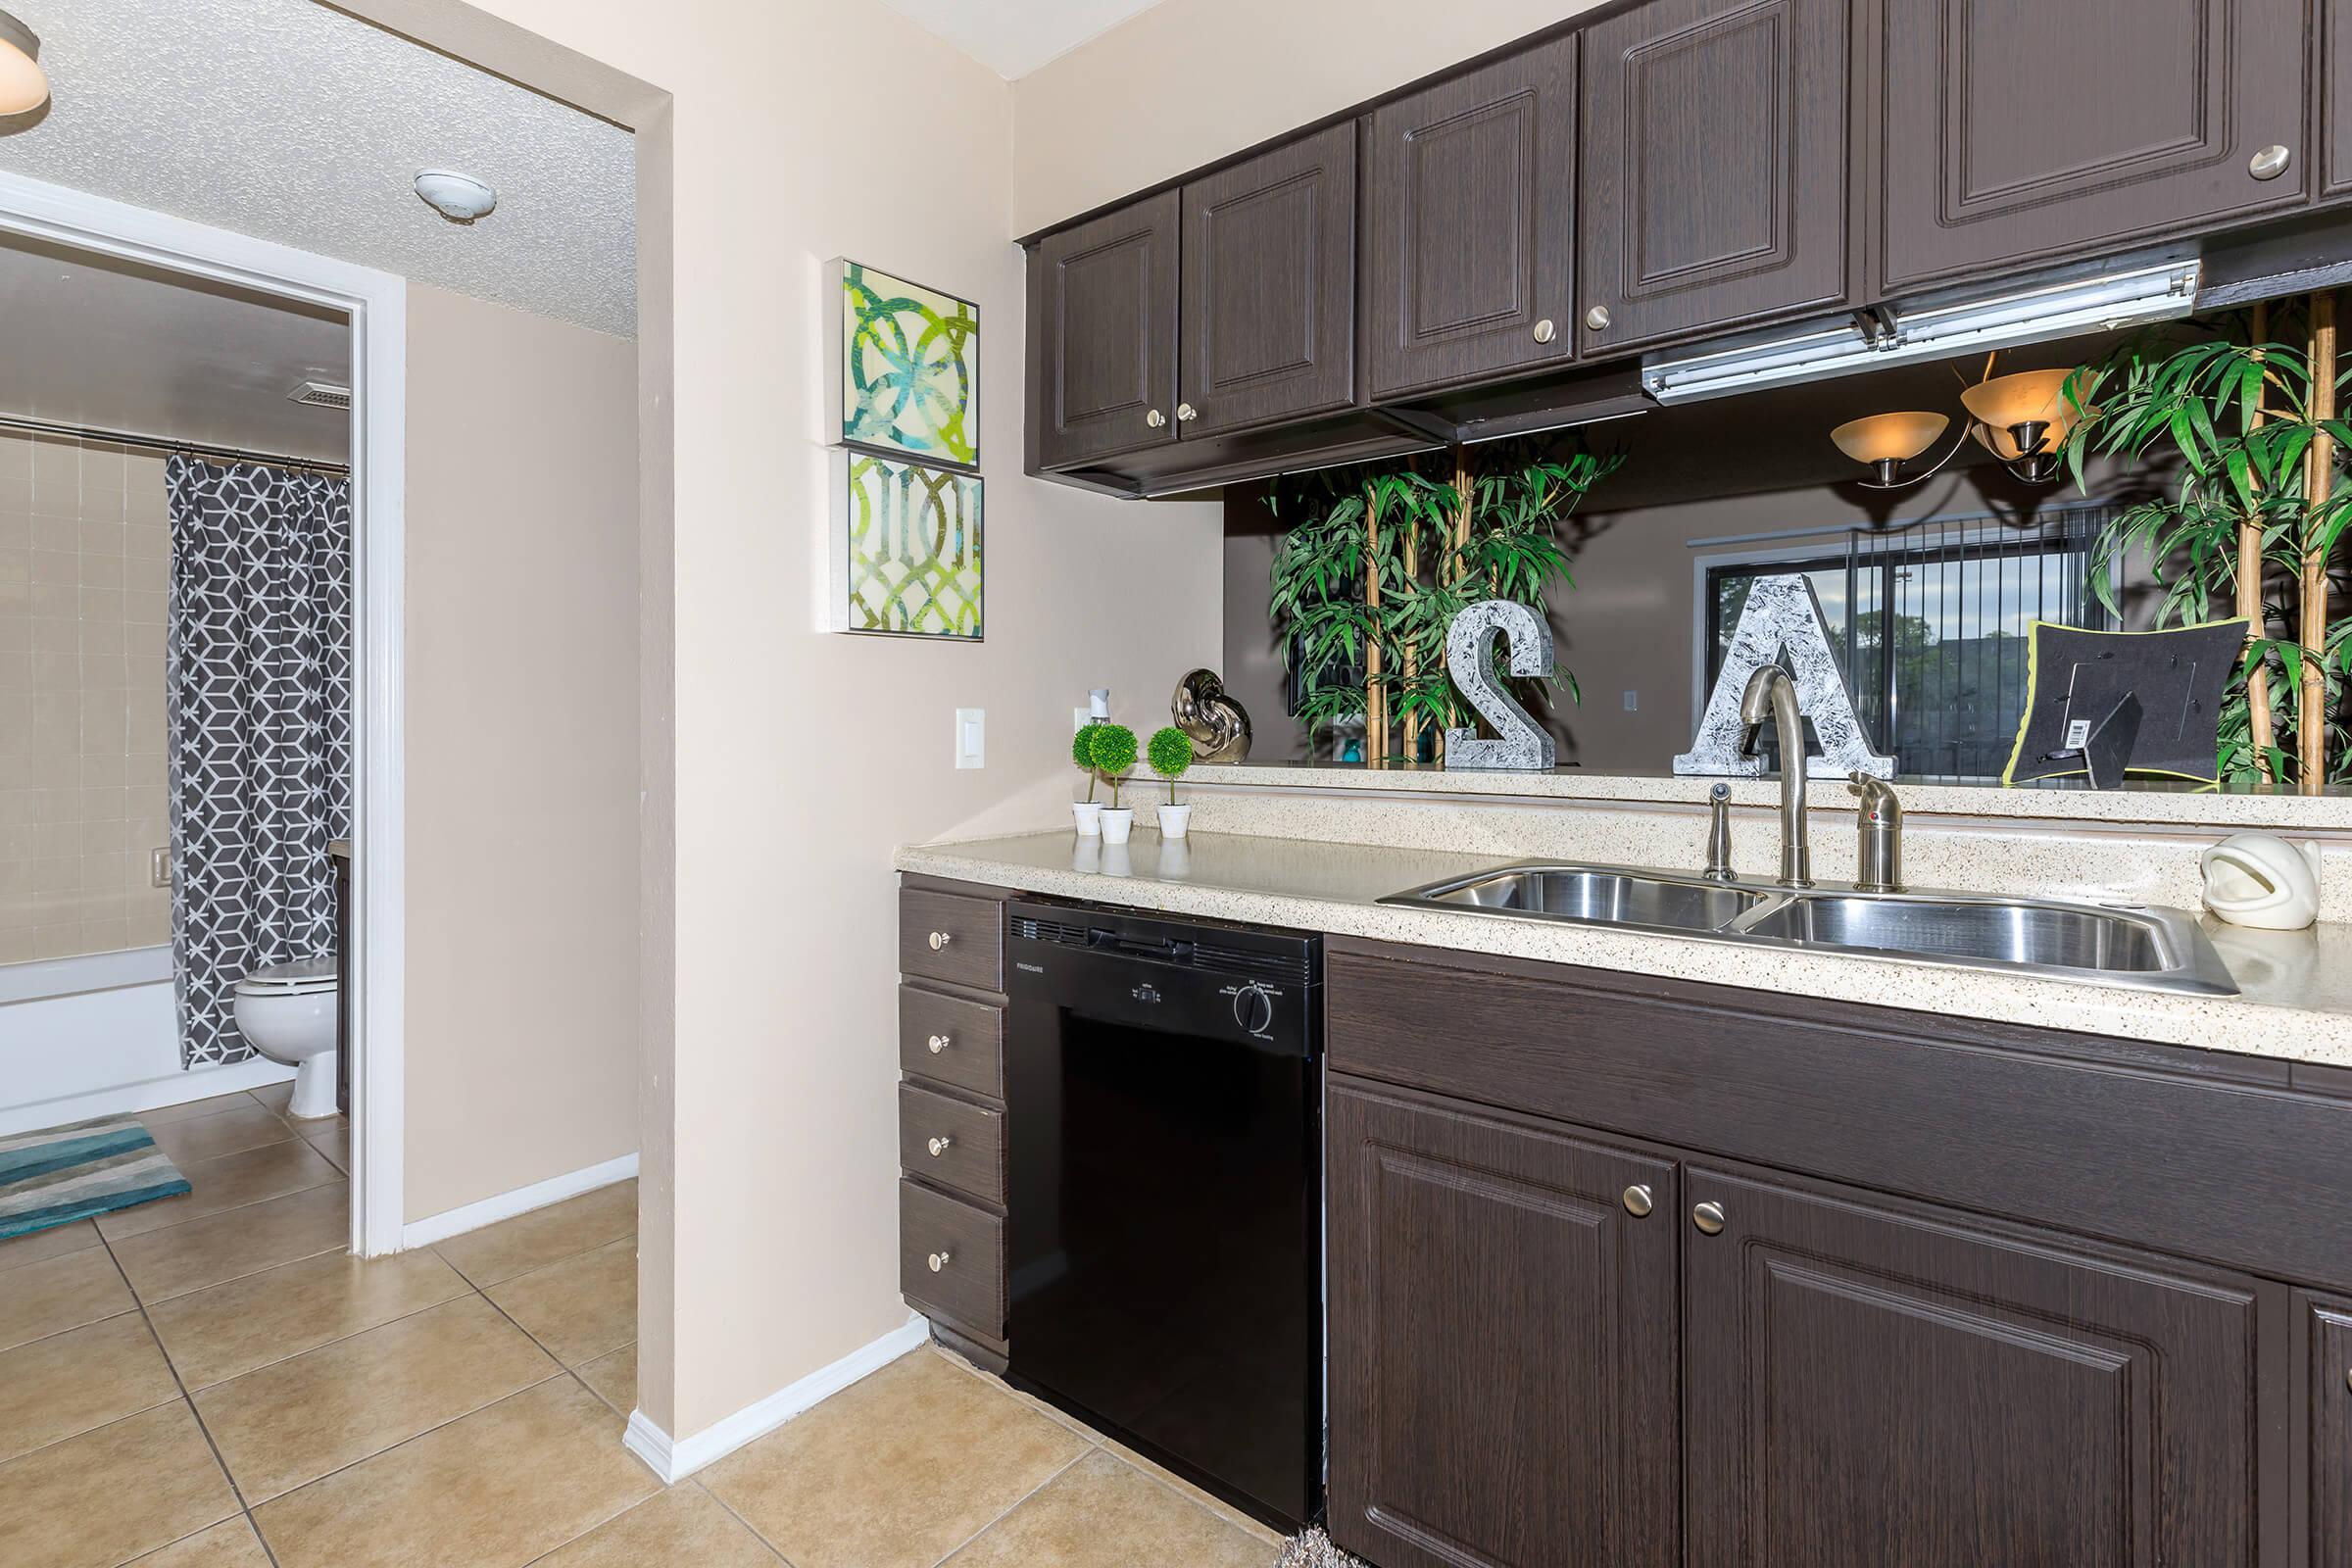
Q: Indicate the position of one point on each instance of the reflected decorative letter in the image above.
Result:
(1521, 742)
(1782, 620)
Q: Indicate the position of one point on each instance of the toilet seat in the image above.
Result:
(303, 978)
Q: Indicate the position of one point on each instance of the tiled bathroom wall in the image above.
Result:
(84, 555)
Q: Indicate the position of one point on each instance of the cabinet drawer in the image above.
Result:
(968, 1286)
(970, 1143)
(951, 1041)
(945, 936)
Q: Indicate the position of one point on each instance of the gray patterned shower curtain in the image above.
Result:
(258, 665)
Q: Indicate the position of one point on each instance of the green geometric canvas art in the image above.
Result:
(910, 368)
(909, 559)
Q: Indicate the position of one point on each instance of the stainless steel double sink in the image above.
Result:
(2156, 948)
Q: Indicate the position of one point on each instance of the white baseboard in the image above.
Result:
(673, 1461)
(152, 1094)
(521, 1200)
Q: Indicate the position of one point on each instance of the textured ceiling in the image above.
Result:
(1013, 38)
(287, 121)
(115, 346)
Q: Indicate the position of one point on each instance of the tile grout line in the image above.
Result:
(233, 1208)
(244, 1508)
(1059, 1471)
(724, 1508)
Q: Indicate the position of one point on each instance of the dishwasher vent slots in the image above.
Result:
(1067, 936)
(1273, 965)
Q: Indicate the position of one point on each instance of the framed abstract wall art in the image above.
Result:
(907, 560)
(906, 383)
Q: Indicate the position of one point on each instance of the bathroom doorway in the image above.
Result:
(182, 369)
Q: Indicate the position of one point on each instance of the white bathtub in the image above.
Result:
(98, 1036)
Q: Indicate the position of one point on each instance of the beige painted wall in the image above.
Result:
(798, 758)
(1191, 80)
(522, 738)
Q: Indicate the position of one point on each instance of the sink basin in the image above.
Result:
(1596, 896)
(2156, 948)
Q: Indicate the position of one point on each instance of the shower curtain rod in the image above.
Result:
(194, 449)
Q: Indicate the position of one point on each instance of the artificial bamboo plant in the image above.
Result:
(2254, 526)
(1377, 559)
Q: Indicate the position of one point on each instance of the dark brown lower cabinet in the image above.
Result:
(1867, 1386)
(2329, 1368)
(1504, 1341)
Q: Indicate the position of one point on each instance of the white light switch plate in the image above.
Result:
(972, 737)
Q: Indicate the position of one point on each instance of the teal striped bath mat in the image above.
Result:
(62, 1174)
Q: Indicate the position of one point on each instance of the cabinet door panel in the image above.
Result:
(2329, 1354)
(1104, 319)
(1469, 224)
(1503, 1342)
(1867, 1386)
(2335, 100)
(2020, 129)
(1269, 286)
(1714, 167)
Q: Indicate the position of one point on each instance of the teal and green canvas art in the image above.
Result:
(911, 369)
(913, 549)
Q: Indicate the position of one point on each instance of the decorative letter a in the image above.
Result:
(1782, 620)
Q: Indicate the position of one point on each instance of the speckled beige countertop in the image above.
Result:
(2297, 986)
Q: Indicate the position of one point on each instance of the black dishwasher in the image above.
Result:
(1163, 1220)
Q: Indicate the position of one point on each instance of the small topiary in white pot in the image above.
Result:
(1170, 754)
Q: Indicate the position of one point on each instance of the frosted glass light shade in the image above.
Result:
(23, 85)
(1889, 437)
(2028, 397)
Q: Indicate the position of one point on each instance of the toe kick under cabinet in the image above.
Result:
(951, 1111)
(1630, 1273)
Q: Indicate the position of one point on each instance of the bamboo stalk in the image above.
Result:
(2311, 713)
(1412, 652)
(1461, 535)
(2249, 586)
(1376, 706)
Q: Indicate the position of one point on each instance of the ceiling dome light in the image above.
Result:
(461, 198)
(24, 87)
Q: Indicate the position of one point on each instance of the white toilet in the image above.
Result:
(286, 1012)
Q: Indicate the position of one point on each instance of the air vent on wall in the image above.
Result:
(321, 395)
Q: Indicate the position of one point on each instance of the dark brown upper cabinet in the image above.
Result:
(1103, 335)
(2022, 131)
(2327, 1355)
(1469, 225)
(2335, 100)
(1874, 1385)
(1503, 1342)
(1714, 190)
(1269, 288)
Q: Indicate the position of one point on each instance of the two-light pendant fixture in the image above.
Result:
(2023, 419)
(23, 85)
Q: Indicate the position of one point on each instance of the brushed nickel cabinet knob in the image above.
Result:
(1708, 1217)
(1545, 331)
(2269, 163)
(940, 1145)
(938, 1044)
(1637, 1202)
(939, 1262)
(1186, 414)
(1597, 317)
(1156, 418)
(939, 940)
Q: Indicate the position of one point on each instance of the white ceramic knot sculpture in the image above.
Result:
(2260, 880)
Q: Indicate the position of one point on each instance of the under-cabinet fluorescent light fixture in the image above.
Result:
(1933, 328)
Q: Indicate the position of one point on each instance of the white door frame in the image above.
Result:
(377, 305)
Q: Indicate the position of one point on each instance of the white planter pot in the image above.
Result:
(1117, 825)
(1174, 819)
(1089, 818)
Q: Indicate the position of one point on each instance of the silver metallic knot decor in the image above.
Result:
(1218, 725)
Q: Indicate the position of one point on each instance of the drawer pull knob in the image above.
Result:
(2269, 163)
(1637, 1202)
(938, 1044)
(1709, 1219)
(1186, 414)
(1156, 418)
(940, 1145)
(1597, 317)
(938, 1261)
(939, 940)
(1545, 331)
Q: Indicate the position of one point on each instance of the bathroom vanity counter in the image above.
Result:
(2297, 988)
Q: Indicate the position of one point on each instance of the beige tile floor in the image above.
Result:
(209, 1382)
